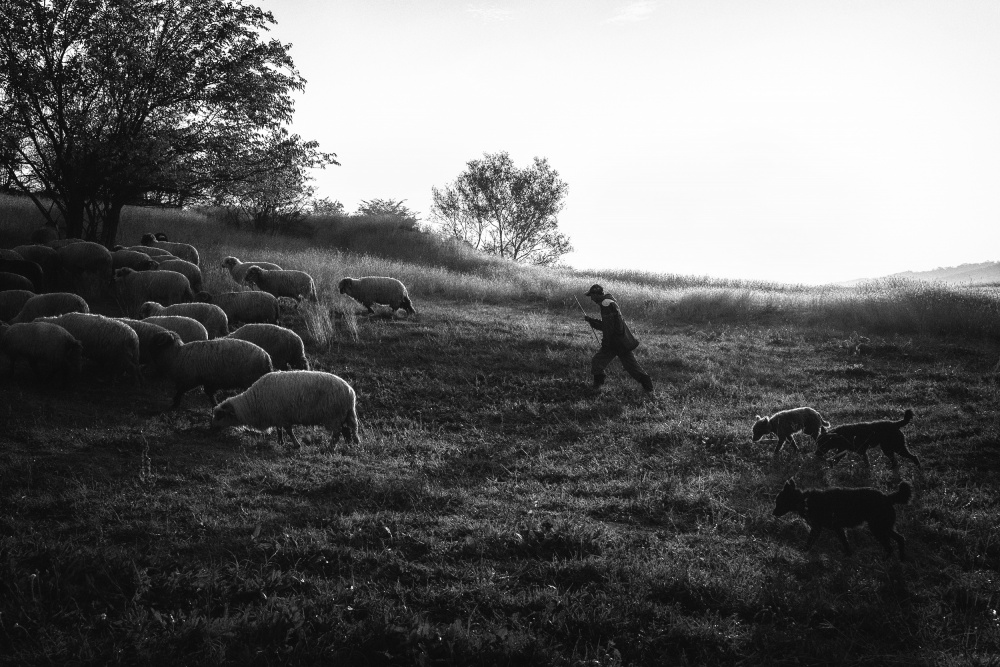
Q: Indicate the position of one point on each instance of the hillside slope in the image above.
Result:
(970, 274)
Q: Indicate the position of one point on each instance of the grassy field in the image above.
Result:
(497, 511)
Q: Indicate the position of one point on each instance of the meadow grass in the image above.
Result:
(497, 511)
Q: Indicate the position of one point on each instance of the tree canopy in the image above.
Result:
(504, 210)
(107, 103)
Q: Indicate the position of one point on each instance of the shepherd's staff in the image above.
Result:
(594, 331)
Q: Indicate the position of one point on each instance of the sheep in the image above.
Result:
(105, 340)
(244, 307)
(377, 289)
(86, 257)
(45, 234)
(133, 259)
(293, 284)
(222, 363)
(285, 398)
(284, 345)
(188, 328)
(11, 302)
(48, 305)
(59, 243)
(48, 349)
(137, 287)
(148, 333)
(154, 253)
(29, 270)
(182, 250)
(238, 269)
(211, 316)
(10, 281)
(8, 255)
(191, 271)
(43, 256)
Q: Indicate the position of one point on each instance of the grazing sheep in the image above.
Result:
(238, 269)
(86, 257)
(293, 284)
(49, 305)
(211, 316)
(29, 270)
(188, 328)
(191, 271)
(43, 256)
(377, 289)
(48, 348)
(8, 255)
(245, 307)
(285, 398)
(107, 341)
(182, 250)
(137, 287)
(132, 259)
(45, 234)
(12, 301)
(223, 363)
(10, 281)
(158, 254)
(284, 345)
(148, 333)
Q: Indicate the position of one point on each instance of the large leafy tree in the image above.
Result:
(106, 103)
(505, 210)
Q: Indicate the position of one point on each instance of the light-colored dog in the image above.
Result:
(783, 424)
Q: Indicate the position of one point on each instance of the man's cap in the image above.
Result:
(594, 290)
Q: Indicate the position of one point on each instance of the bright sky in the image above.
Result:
(802, 141)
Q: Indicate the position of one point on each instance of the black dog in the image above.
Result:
(838, 508)
(864, 435)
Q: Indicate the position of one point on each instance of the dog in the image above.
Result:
(838, 508)
(862, 436)
(783, 424)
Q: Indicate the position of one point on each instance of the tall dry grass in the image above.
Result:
(433, 267)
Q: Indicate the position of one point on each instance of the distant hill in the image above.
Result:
(984, 272)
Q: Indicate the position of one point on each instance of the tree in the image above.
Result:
(390, 207)
(500, 209)
(107, 103)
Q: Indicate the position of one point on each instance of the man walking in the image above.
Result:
(617, 340)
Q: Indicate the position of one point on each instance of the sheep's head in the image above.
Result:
(160, 236)
(253, 274)
(224, 414)
(203, 297)
(789, 500)
(345, 285)
(230, 262)
(123, 273)
(149, 239)
(760, 428)
(149, 308)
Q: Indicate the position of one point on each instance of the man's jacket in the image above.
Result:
(616, 334)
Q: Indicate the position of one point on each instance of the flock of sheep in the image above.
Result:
(221, 341)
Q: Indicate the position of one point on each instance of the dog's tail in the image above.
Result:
(907, 416)
(903, 495)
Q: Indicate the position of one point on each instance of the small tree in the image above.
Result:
(390, 207)
(500, 209)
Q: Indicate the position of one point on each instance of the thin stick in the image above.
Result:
(592, 329)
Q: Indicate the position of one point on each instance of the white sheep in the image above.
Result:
(182, 250)
(133, 259)
(238, 269)
(9, 281)
(284, 345)
(377, 289)
(158, 254)
(137, 287)
(48, 349)
(43, 256)
(86, 257)
(188, 328)
(211, 316)
(49, 305)
(244, 307)
(221, 363)
(191, 271)
(149, 333)
(283, 399)
(12, 301)
(105, 340)
(293, 284)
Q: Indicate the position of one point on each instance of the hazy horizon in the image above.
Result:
(800, 142)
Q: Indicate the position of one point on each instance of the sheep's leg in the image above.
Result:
(291, 434)
(210, 392)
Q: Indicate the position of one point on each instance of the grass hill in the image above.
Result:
(983, 273)
(497, 511)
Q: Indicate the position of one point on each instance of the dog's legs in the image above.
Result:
(813, 536)
(900, 541)
(777, 447)
(843, 540)
(907, 454)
